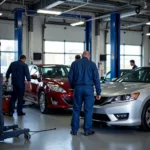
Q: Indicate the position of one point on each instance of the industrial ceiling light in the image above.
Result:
(148, 34)
(54, 4)
(77, 23)
(50, 12)
(1, 14)
(148, 23)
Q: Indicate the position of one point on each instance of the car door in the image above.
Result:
(29, 95)
(35, 83)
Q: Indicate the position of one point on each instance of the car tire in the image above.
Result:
(145, 118)
(43, 103)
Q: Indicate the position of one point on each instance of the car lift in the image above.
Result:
(9, 131)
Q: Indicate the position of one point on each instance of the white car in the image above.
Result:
(126, 102)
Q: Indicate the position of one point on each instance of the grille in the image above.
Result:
(68, 100)
(100, 102)
(98, 117)
(101, 117)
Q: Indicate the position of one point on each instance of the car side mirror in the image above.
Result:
(114, 79)
(34, 76)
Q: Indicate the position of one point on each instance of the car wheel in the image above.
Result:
(43, 103)
(146, 117)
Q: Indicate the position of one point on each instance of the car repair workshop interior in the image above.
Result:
(50, 35)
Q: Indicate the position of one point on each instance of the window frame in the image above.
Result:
(124, 55)
(64, 53)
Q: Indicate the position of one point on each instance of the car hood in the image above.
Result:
(118, 88)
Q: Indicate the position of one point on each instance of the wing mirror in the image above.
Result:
(34, 76)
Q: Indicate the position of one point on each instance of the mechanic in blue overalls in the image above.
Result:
(83, 76)
(18, 70)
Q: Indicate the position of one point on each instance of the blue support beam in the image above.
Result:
(88, 37)
(18, 31)
(115, 45)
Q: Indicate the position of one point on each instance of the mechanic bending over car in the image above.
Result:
(82, 77)
(18, 70)
(132, 63)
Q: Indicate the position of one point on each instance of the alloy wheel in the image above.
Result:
(148, 117)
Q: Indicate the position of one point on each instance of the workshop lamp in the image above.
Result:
(50, 12)
(148, 23)
(1, 14)
(148, 34)
(54, 4)
(77, 23)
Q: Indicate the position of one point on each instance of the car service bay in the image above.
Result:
(115, 33)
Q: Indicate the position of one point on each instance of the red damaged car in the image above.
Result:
(50, 87)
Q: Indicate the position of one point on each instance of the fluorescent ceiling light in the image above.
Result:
(51, 12)
(148, 23)
(77, 23)
(54, 4)
(148, 34)
(1, 14)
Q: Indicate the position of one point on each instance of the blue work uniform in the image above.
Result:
(83, 76)
(18, 70)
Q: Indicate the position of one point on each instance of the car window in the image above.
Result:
(68, 69)
(108, 75)
(54, 72)
(139, 75)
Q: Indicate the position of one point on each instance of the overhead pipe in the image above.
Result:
(74, 8)
(127, 14)
(133, 25)
(2, 2)
(123, 15)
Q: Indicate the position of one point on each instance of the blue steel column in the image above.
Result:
(88, 37)
(115, 45)
(18, 32)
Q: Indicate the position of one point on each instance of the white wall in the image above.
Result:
(64, 33)
(128, 37)
(146, 48)
(35, 38)
(6, 30)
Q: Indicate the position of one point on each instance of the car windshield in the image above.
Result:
(138, 75)
(54, 72)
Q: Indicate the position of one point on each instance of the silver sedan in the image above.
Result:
(126, 102)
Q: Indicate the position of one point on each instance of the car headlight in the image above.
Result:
(123, 98)
(56, 88)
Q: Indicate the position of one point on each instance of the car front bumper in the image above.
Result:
(108, 113)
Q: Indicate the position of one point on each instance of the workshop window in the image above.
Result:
(127, 53)
(57, 52)
(8, 54)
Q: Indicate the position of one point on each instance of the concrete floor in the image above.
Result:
(105, 138)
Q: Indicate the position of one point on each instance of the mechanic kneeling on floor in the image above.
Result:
(18, 70)
(83, 76)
